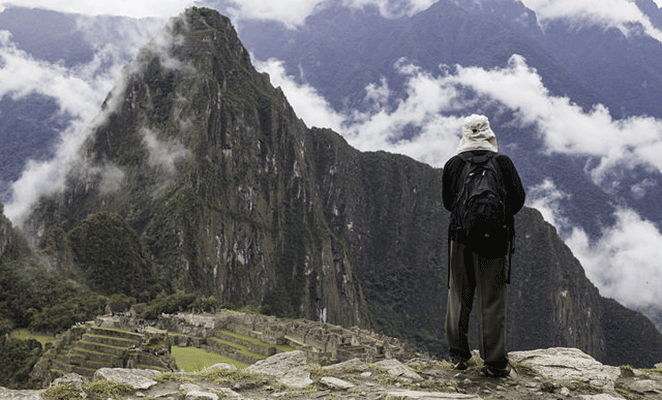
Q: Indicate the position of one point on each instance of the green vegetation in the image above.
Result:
(25, 334)
(62, 392)
(220, 377)
(41, 300)
(624, 391)
(111, 257)
(97, 390)
(193, 359)
(17, 357)
(103, 389)
(177, 302)
(585, 387)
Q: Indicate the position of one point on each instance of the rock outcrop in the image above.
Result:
(556, 373)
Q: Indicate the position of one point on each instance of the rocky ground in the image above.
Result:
(559, 373)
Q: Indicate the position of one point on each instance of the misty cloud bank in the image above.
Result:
(79, 93)
(293, 13)
(623, 15)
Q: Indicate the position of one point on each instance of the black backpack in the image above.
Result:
(480, 210)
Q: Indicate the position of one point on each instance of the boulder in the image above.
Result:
(397, 369)
(200, 395)
(222, 366)
(336, 383)
(568, 364)
(646, 386)
(354, 364)
(139, 379)
(291, 369)
(9, 394)
(72, 379)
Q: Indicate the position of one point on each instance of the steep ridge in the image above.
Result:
(233, 196)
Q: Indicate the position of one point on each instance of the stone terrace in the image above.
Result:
(85, 348)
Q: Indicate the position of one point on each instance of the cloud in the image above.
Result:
(310, 106)
(128, 8)
(564, 126)
(293, 13)
(112, 178)
(383, 127)
(162, 155)
(392, 8)
(423, 123)
(546, 198)
(39, 178)
(625, 262)
(79, 93)
(623, 15)
(75, 91)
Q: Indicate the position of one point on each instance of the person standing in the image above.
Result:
(473, 265)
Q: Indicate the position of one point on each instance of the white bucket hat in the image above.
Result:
(477, 135)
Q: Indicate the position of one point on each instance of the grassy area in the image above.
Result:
(193, 359)
(25, 334)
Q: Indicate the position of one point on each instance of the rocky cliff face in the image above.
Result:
(12, 243)
(233, 196)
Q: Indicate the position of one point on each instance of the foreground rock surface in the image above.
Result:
(557, 373)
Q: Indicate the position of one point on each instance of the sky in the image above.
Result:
(295, 11)
(632, 242)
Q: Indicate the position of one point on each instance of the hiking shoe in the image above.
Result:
(459, 364)
(495, 372)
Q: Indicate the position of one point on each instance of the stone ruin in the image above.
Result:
(124, 340)
(322, 343)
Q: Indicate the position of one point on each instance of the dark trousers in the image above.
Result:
(470, 273)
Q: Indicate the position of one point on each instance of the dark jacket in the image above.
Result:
(452, 182)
